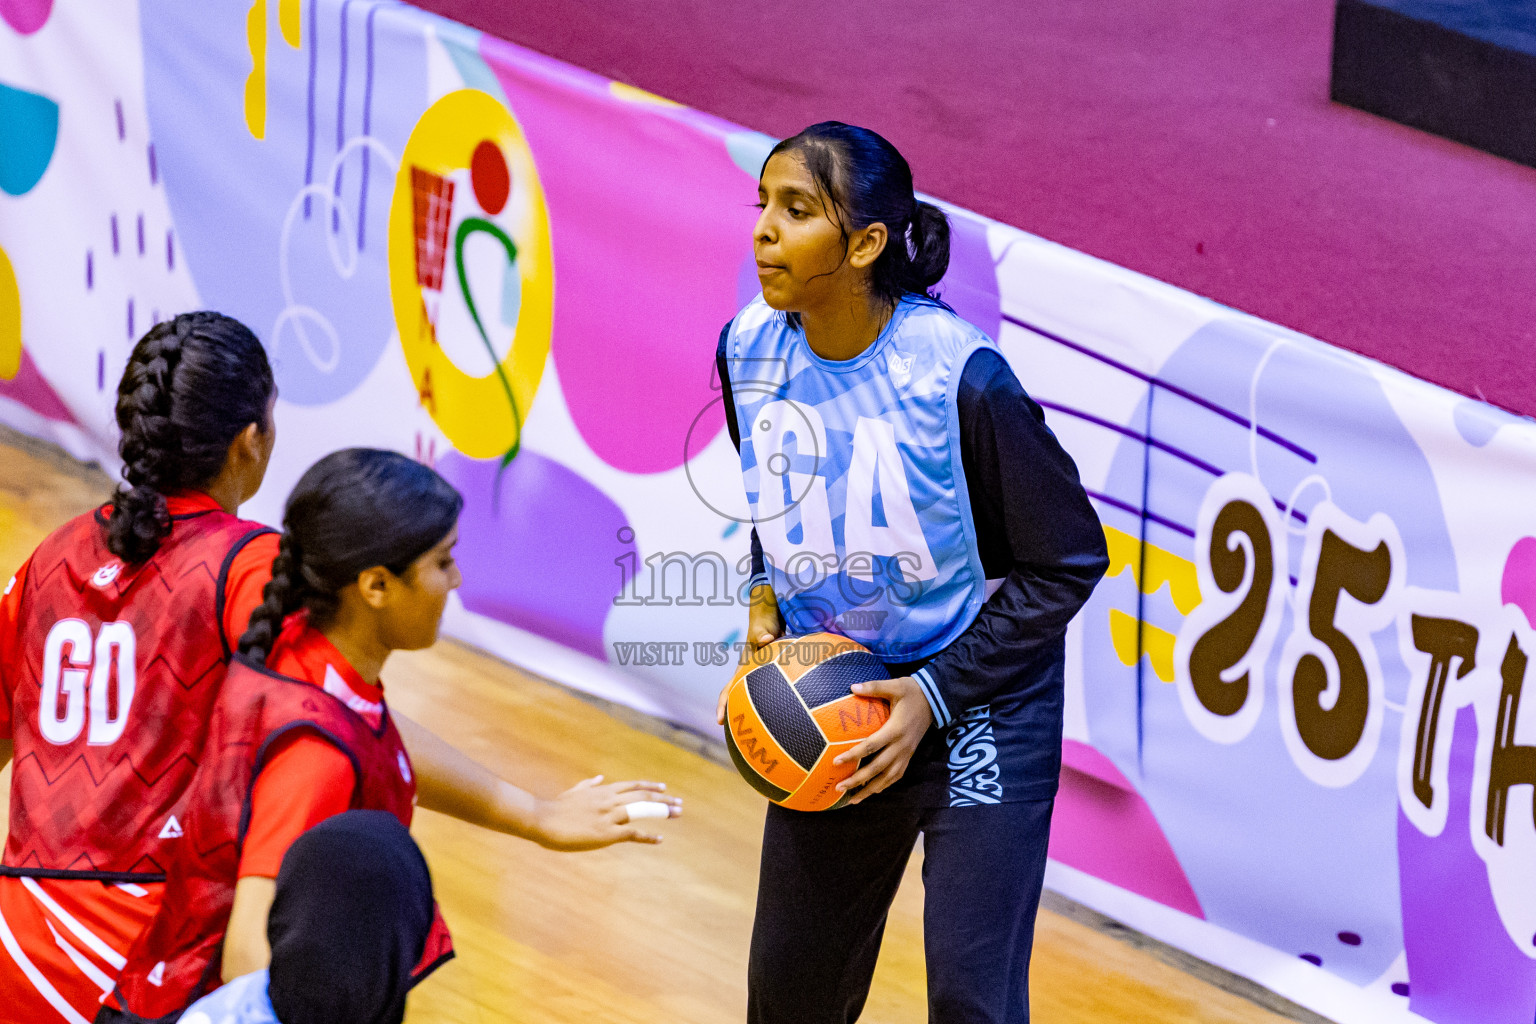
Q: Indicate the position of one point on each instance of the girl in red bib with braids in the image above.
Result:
(302, 730)
(114, 638)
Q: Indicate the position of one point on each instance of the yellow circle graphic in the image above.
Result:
(10, 320)
(467, 170)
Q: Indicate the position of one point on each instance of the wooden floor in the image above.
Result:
(635, 934)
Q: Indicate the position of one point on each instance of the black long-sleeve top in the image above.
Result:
(996, 692)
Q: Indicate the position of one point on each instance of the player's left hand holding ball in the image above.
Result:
(895, 741)
(590, 815)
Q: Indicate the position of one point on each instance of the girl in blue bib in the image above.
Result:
(905, 492)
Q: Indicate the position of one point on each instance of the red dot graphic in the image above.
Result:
(489, 175)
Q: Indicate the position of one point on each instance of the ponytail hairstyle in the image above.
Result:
(863, 179)
(351, 511)
(191, 386)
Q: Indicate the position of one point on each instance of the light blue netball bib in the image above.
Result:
(853, 475)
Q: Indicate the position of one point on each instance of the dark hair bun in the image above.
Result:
(930, 247)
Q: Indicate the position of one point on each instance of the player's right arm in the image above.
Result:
(764, 622)
(764, 626)
(10, 655)
(245, 940)
(306, 781)
(249, 572)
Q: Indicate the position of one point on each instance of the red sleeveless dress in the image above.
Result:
(108, 674)
(177, 959)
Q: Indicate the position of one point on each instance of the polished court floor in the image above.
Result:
(629, 935)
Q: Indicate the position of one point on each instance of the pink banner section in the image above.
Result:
(663, 176)
(1104, 827)
(29, 389)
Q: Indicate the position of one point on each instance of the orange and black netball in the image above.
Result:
(791, 709)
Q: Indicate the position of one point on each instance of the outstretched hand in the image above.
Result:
(591, 815)
(890, 747)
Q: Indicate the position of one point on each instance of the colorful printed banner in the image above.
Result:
(1299, 742)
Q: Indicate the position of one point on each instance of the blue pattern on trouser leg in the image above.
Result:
(974, 774)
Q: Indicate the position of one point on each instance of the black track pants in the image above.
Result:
(826, 885)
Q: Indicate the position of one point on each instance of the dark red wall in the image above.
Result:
(1193, 142)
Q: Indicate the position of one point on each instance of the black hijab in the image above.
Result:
(349, 922)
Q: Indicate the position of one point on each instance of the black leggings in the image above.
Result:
(826, 885)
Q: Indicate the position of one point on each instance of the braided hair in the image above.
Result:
(192, 384)
(864, 180)
(351, 511)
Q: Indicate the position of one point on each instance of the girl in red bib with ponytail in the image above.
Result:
(114, 638)
(302, 730)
